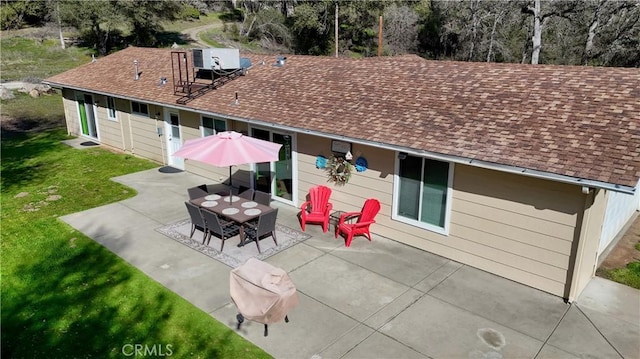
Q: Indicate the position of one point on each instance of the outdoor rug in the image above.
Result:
(233, 255)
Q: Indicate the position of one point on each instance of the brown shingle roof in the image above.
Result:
(581, 122)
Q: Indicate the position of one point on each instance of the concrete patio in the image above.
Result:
(379, 299)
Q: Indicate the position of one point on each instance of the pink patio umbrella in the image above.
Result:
(229, 149)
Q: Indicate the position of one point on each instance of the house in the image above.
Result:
(528, 172)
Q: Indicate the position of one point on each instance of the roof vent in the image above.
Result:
(281, 61)
(135, 68)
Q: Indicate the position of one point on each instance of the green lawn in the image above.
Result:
(44, 112)
(34, 59)
(628, 275)
(64, 295)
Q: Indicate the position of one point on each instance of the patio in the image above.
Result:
(379, 299)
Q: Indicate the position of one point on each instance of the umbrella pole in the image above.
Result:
(230, 186)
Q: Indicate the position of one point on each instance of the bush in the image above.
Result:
(188, 12)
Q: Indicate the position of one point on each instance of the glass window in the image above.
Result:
(423, 187)
(111, 108)
(139, 108)
(211, 126)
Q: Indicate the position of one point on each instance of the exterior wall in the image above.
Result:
(71, 112)
(517, 227)
(586, 252)
(190, 123)
(620, 208)
(123, 108)
(111, 132)
(145, 141)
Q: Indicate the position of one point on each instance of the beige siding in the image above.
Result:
(376, 181)
(110, 132)
(123, 107)
(71, 112)
(518, 227)
(514, 226)
(586, 252)
(145, 140)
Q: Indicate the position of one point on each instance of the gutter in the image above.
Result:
(583, 182)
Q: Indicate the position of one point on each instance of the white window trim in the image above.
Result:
(226, 123)
(430, 227)
(294, 163)
(95, 113)
(139, 113)
(115, 111)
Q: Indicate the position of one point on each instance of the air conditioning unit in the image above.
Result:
(216, 59)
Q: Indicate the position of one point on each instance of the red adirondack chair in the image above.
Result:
(317, 208)
(361, 226)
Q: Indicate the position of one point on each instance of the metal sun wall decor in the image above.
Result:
(361, 164)
(321, 162)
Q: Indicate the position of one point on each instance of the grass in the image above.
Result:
(628, 275)
(178, 26)
(34, 59)
(171, 33)
(44, 112)
(66, 296)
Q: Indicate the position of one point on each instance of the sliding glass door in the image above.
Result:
(277, 177)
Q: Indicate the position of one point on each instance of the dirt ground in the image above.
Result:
(624, 252)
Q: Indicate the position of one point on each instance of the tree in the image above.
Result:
(98, 21)
(18, 13)
(54, 15)
(101, 21)
(400, 29)
(311, 24)
(268, 26)
(613, 33)
(540, 18)
(358, 22)
(144, 17)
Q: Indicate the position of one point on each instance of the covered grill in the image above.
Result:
(262, 293)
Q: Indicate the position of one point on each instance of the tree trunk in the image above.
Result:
(595, 22)
(62, 44)
(537, 33)
(336, 29)
(475, 23)
(493, 34)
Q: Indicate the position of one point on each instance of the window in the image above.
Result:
(111, 108)
(211, 126)
(139, 108)
(422, 192)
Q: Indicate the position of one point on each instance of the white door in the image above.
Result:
(174, 139)
(87, 115)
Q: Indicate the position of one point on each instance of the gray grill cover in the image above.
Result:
(261, 292)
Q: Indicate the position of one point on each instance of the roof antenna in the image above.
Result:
(135, 65)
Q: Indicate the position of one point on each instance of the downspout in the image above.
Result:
(124, 143)
(131, 135)
(160, 137)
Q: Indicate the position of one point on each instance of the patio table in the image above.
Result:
(334, 218)
(235, 208)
